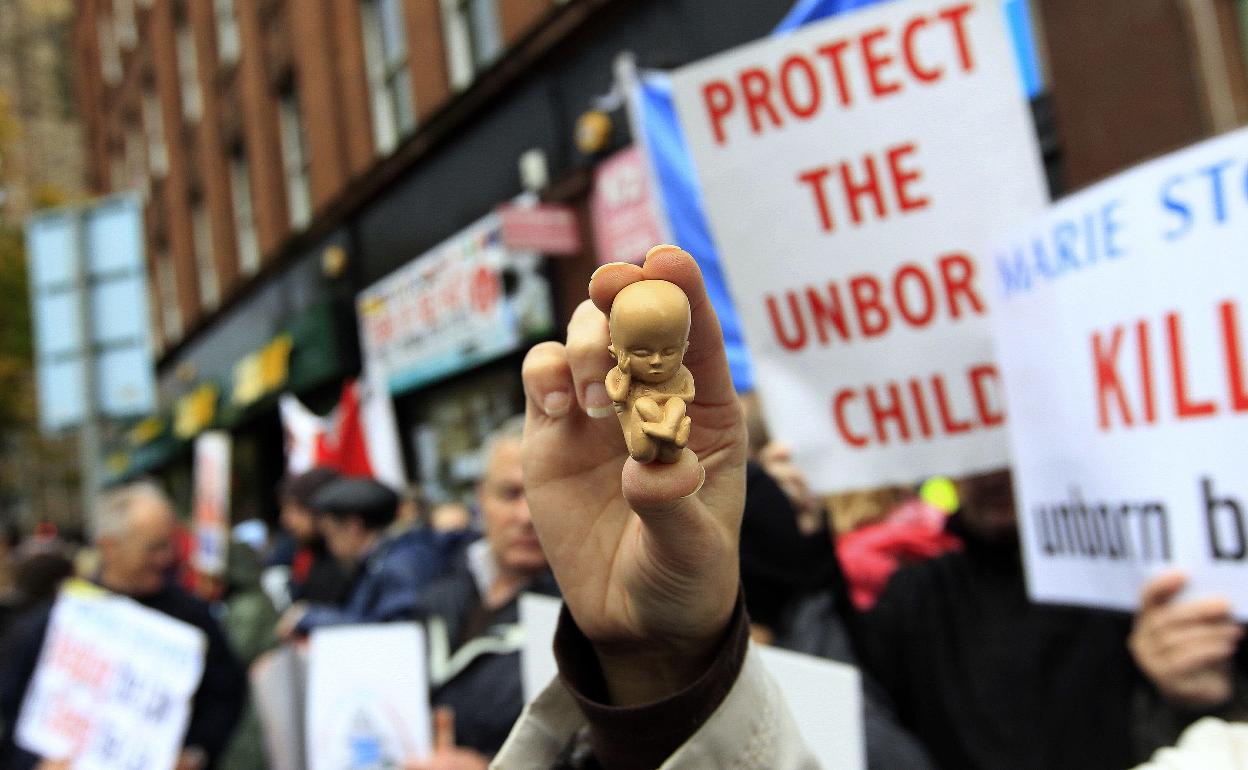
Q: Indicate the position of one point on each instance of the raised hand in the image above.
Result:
(646, 555)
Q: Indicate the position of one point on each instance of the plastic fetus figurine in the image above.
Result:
(649, 385)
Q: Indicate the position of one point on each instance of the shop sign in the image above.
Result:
(467, 301)
(262, 372)
(195, 411)
(623, 208)
(547, 228)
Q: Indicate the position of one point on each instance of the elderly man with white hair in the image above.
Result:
(133, 532)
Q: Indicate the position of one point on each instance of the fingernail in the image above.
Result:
(556, 404)
(701, 481)
(597, 403)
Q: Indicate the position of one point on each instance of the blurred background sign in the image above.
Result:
(89, 303)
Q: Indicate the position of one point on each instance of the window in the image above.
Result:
(385, 53)
(244, 217)
(473, 37)
(295, 160)
(110, 57)
(205, 266)
(1243, 28)
(154, 126)
(127, 32)
(136, 178)
(167, 291)
(229, 45)
(188, 74)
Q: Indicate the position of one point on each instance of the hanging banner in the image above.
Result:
(623, 209)
(210, 515)
(1122, 331)
(852, 171)
(113, 686)
(467, 301)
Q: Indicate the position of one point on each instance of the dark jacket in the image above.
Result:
(214, 709)
(476, 673)
(389, 582)
(987, 679)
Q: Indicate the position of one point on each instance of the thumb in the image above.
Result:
(1161, 589)
(664, 495)
(443, 728)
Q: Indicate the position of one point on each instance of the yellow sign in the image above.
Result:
(195, 411)
(263, 371)
(146, 431)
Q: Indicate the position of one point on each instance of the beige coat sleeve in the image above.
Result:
(751, 730)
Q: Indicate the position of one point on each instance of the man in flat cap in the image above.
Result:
(388, 572)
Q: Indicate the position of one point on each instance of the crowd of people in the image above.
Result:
(670, 575)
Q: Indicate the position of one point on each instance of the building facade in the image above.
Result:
(292, 153)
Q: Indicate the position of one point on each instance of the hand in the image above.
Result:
(192, 758)
(646, 555)
(446, 755)
(289, 620)
(1185, 648)
(54, 764)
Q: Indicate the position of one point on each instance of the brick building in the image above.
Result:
(293, 152)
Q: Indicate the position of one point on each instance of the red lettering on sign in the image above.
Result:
(889, 59)
(898, 412)
(1238, 383)
(719, 102)
(756, 87)
(846, 183)
(1108, 383)
(881, 414)
(913, 296)
(1111, 384)
(842, 399)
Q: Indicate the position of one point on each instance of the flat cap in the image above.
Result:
(345, 497)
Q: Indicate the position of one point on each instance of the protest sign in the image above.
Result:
(371, 710)
(824, 697)
(279, 681)
(1120, 319)
(113, 686)
(210, 515)
(851, 171)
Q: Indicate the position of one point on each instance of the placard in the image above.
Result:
(210, 516)
(623, 208)
(368, 710)
(113, 686)
(1122, 330)
(852, 172)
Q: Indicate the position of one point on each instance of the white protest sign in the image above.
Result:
(824, 697)
(113, 686)
(851, 171)
(367, 710)
(1122, 330)
(210, 516)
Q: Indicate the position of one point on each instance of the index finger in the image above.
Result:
(706, 358)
